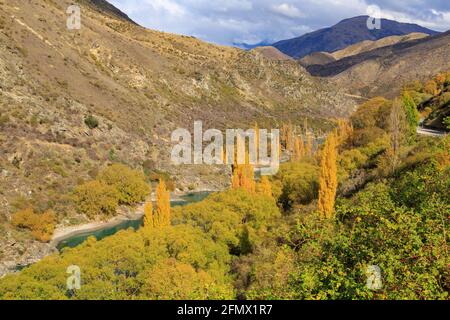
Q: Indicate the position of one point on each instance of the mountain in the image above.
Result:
(272, 53)
(385, 70)
(106, 8)
(73, 101)
(344, 34)
(317, 58)
(370, 45)
(323, 58)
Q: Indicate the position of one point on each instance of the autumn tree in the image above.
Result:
(328, 178)
(243, 177)
(96, 198)
(299, 149)
(309, 150)
(344, 131)
(412, 114)
(41, 225)
(130, 183)
(162, 214)
(431, 87)
(148, 215)
(264, 187)
(397, 126)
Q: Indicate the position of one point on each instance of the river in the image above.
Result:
(100, 234)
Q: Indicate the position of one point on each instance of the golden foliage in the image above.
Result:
(243, 177)
(41, 226)
(344, 132)
(309, 150)
(129, 183)
(299, 149)
(162, 214)
(148, 215)
(265, 187)
(95, 198)
(431, 87)
(328, 178)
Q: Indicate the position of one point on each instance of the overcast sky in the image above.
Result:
(253, 21)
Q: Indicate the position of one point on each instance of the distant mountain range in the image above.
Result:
(344, 34)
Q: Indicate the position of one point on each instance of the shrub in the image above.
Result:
(41, 226)
(91, 122)
(300, 183)
(96, 198)
(130, 184)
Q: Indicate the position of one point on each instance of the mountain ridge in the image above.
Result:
(343, 34)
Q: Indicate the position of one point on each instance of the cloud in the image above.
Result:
(288, 10)
(235, 21)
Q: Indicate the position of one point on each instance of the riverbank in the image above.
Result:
(64, 233)
(34, 251)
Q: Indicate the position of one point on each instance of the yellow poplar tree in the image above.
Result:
(309, 146)
(299, 149)
(265, 187)
(243, 177)
(148, 215)
(328, 178)
(344, 132)
(162, 215)
(257, 139)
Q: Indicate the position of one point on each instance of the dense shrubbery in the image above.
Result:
(236, 218)
(379, 226)
(177, 262)
(41, 225)
(299, 183)
(129, 183)
(96, 198)
(115, 185)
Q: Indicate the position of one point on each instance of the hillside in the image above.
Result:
(272, 53)
(369, 45)
(72, 102)
(317, 58)
(384, 71)
(323, 58)
(345, 33)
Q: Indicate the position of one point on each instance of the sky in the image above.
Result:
(254, 21)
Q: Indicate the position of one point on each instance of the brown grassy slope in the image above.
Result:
(368, 45)
(272, 53)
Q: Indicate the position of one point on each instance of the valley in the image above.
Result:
(88, 176)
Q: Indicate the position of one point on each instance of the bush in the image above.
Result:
(234, 218)
(300, 184)
(91, 122)
(96, 198)
(373, 113)
(130, 184)
(41, 226)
